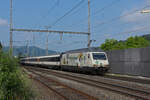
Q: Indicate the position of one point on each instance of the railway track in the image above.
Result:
(63, 91)
(128, 78)
(137, 93)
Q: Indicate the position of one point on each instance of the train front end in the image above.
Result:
(100, 61)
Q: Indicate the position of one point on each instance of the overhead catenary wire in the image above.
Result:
(105, 7)
(143, 29)
(95, 13)
(132, 31)
(135, 30)
(79, 9)
(68, 44)
(120, 24)
(73, 13)
(102, 9)
(49, 11)
(119, 17)
(67, 13)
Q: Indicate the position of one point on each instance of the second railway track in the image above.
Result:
(64, 91)
(137, 93)
(136, 79)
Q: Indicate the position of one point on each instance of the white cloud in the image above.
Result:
(136, 16)
(3, 22)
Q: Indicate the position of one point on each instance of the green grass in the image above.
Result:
(14, 85)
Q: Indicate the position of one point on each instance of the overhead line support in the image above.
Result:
(50, 31)
(10, 31)
(89, 25)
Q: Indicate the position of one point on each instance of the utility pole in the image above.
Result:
(89, 24)
(47, 45)
(11, 32)
(33, 47)
(47, 27)
(27, 48)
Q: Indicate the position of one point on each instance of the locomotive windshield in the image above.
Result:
(99, 56)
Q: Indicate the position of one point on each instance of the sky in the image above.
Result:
(118, 19)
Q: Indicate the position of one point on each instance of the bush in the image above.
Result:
(13, 83)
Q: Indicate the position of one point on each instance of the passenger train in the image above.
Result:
(82, 60)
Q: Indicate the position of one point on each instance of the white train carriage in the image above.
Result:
(85, 61)
(52, 61)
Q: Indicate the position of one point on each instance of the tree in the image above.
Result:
(109, 44)
(131, 42)
(119, 45)
(137, 42)
(0, 46)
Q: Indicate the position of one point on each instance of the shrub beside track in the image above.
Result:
(13, 84)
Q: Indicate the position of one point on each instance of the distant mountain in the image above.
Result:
(32, 51)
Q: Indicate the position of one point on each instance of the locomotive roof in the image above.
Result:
(92, 49)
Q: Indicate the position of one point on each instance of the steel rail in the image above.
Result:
(128, 79)
(63, 97)
(136, 93)
(75, 90)
(47, 86)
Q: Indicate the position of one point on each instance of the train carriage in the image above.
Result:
(51, 61)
